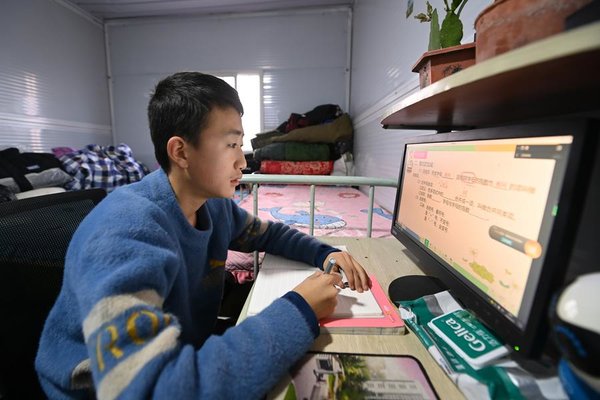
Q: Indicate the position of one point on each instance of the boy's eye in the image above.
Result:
(235, 145)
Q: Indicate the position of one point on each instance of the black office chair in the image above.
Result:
(34, 236)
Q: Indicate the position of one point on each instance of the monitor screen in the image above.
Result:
(481, 209)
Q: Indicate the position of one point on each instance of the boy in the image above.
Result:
(144, 272)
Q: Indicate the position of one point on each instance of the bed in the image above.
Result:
(317, 205)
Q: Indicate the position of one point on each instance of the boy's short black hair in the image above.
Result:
(180, 106)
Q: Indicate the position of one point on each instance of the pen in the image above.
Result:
(330, 265)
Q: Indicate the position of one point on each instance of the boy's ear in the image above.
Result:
(176, 149)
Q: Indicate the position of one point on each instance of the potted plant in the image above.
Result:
(445, 54)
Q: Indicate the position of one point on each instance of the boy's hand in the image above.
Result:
(320, 293)
(356, 274)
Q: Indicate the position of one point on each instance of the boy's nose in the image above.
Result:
(242, 160)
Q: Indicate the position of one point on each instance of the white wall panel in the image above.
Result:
(52, 77)
(131, 95)
(306, 39)
(385, 46)
(42, 137)
(303, 54)
(293, 90)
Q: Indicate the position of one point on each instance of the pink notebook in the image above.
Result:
(369, 312)
(389, 323)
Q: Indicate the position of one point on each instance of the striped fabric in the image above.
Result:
(105, 167)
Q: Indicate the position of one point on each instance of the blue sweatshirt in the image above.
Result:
(141, 295)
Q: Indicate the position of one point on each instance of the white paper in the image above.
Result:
(279, 275)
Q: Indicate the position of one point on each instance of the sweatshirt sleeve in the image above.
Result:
(277, 238)
(138, 355)
(244, 363)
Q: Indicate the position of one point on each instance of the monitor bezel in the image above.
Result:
(530, 340)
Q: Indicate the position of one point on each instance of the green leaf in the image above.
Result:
(422, 17)
(429, 9)
(451, 32)
(434, 32)
(455, 4)
(409, 8)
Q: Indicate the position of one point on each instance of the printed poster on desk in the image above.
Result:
(320, 376)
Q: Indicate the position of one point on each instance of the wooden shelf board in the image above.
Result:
(557, 75)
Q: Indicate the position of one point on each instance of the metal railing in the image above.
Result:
(313, 181)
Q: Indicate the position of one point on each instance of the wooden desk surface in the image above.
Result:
(387, 258)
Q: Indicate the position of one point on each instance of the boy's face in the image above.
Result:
(215, 165)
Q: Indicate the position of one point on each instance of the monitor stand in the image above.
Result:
(411, 287)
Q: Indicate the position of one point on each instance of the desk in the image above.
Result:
(387, 259)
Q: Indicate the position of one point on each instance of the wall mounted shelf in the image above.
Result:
(559, 75)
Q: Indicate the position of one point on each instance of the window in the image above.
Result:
(248, 87)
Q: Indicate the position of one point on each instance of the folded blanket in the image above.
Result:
(294, 151)
(264, 138)
(296, 167)
(338, 129)
(318, 115)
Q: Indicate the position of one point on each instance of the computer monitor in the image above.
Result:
(492, 213)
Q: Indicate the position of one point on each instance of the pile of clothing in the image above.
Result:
(93, 166)
(102, 166)
(22, 172)
(305, 144)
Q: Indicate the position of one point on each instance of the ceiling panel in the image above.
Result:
(114, 9)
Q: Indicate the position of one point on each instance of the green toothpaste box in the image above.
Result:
(468, 337)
